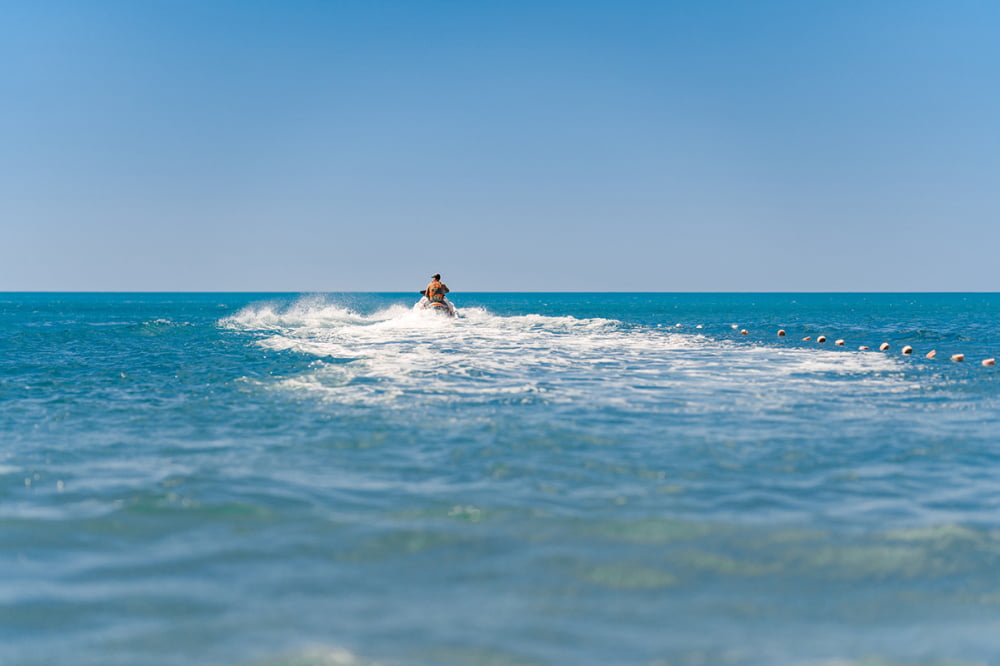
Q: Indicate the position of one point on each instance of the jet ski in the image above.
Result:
(443, 308)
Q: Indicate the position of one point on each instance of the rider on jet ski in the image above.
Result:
(434, 300)
(436, 290)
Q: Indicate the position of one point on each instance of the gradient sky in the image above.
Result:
(585, 146)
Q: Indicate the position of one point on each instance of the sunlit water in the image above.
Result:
(549, 479)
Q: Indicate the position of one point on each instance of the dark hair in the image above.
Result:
(436, 276)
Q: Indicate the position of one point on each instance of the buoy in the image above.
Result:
(821, 338)
(864, 348)
(958, 357)
(781, 332)
(839, 343)
(744, 332)
(807, 338)
(990, 361)
(884, 346)
(931, 354)
(907, 349)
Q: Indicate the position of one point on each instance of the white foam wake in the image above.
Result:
(400, 352)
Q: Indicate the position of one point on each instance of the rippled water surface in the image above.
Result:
(256, 480)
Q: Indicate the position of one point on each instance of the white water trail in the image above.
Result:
(399, 351)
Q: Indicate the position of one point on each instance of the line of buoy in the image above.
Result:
(906, 350)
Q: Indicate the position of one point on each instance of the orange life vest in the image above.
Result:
(435, 292)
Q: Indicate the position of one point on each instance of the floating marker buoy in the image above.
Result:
(807, 338)
(839, 343)
(781, 332)
(744, 332)
(907, 349)
(864, 348)
(821, 338)
(990, 361)
(884, 346)
(931, 354)
(958, 357)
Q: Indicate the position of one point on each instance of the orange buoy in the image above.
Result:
(990, 361)
(958, 357)
(907, 349)
(884, 346)
(839, 343)
(821, 338)
(931, 354)
(864, 348)
(807, 338)
(781, 332)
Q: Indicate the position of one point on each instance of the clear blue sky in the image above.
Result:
(619, 145)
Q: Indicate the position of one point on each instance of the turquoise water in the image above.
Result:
(550, 479)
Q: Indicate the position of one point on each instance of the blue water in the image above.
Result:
(550, 479)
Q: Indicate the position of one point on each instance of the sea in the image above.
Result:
(551, 478)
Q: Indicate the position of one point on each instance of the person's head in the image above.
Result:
(436, 276)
